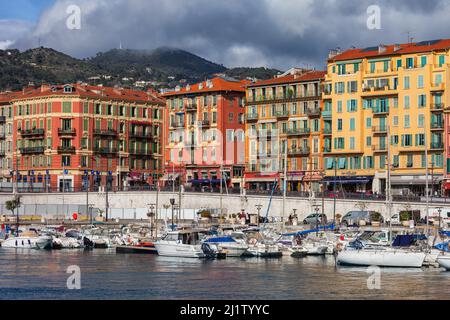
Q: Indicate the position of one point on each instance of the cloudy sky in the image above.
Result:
(270, 33)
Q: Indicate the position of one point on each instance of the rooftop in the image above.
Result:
(291, 78)
(217, 84)
(392, 50)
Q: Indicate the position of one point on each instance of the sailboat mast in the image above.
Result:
(426, 179)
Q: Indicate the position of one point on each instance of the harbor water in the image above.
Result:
(104, 274)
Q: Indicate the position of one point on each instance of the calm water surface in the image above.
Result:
(105, 275)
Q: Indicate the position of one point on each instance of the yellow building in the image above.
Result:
(382, 93)
(285, 111)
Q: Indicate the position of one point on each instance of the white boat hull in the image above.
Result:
(381, 258)
(444, 262)
(232, 250)
(166, 249)
(27, 242)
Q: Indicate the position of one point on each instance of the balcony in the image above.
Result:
(252, 117)
(66, 149)
(140, 135)
(67, 132)
(437, 87)
(191, 108)
(205, 123)
(32, 150)
(265, 134)
(378, 91)
(437, 126)
(326, 114)
(140, 152)
(437, 107)
(327, 131)
(282, 114)
(380, 111)
(107, 132)
(327, 150)
(299, 132)
(265, 155)
(33, 134)
(313, 112)
(437, 146)
(379, 130)
(379, 148)
(299, 151)
(105, 151)
(2, 119)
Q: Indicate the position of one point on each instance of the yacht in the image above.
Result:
(444, 262)
(28, 240)
(182, 243)
(230, 246)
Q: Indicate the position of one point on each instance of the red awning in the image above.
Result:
(447, 186)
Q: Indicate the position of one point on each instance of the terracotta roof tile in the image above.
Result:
(408, 48)
(309, 76)
(218, 84)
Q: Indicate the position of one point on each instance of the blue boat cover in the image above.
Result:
(443, 246)
(404, 240)
(445, 233)
(301, 233)
(220, 240)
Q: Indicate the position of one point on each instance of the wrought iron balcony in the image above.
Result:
(33, 133)
(67, 132)
(299, 132)
(66, 149)
(140, 135)
(32, 150)
(105, 150)
(107, 132)
(299, 151)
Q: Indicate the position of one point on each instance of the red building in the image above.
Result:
(205, 133)
(68, 137)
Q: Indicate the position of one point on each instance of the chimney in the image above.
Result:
(381, 49)
(45, 87)
(397, 47)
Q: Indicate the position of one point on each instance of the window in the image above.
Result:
(399, 63)
(109, 110)
(409, 63)
(441, 60)
(382, 161)
(231, 117)
(421, 120)
(340, 87)
(352, 86)
(65, 161)
(339, 125)
(420, 82)
(420, 140)
(385, 66)
(406, 121)
(368, 123)
(423, 61)
(352, 124)
(409, 160)
(352, 105)
(406, 140)
(422, 100)
(86, 107)
(438, 79)
(372, 67)
(339, 143)
(407, 84)
(339, 106)
(67, 107)
(352, 143)
(407, 102)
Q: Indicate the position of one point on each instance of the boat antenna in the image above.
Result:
(388, 184)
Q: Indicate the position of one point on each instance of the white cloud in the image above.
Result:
(5, 44)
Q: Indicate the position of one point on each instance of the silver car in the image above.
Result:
(315, 219)
(353, 218)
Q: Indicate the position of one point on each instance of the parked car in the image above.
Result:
(354, 218)
(315, 219)
(395, 220)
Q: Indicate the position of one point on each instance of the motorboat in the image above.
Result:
(444, 262)
(28, 240)
(140, 248)
(182, 244)
(229, 245)
(315, 248)
(66, 243)
(262, 250)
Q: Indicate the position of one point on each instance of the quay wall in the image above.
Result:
(139, 202)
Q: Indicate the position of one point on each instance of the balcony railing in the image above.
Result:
(282, 114)
(327, 150)
(313, 112)
(32, 133)
(66, 149)
(437, 125)
(140, 135)
(67, 132)
(299, 131)
(380, 111)
(379, 148)
(327, 131)
(437, 146)
(139, 152)
(205, 123)
(2, 119)
(326, 114)
(191, 107)
(299, 151)
(252, 116)
(107, 132)
(379, 129)
(105, 150)
(32, 150)
(437, 107)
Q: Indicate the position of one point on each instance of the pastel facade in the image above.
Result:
(74, 136)
(285, 112)
(387, 97)
(205, 134)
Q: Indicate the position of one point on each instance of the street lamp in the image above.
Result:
(172, 202)
(151, 215)
(258, 207)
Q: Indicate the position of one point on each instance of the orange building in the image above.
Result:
(68, 137)
(285, 112)
(205, 133)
